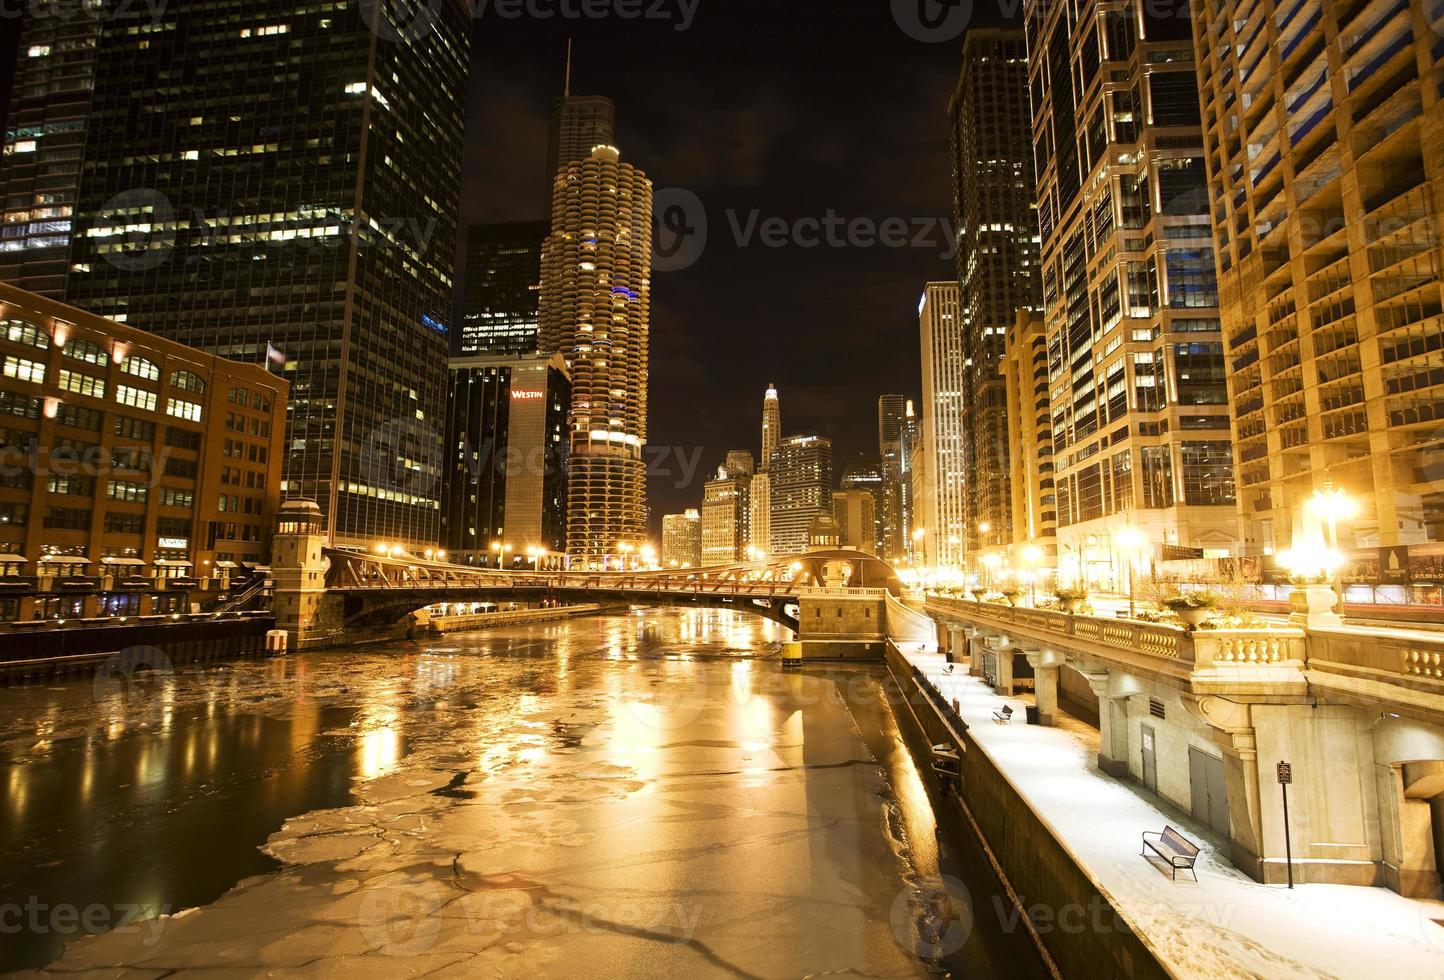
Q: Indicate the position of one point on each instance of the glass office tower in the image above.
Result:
(276, 181)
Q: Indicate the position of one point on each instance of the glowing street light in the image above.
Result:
(1331, 505)
(1131, 542)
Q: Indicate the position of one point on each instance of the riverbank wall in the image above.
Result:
(36, 652)
(1073, 925)
(441, 625)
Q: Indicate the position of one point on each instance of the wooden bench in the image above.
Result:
(1004, 714)
(1173, 847)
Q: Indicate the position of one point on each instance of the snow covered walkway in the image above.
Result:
(1226, 924)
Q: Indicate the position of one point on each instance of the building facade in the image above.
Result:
(771, 427)
(864, 472)
(246, 201)
(997, 221)
(682, 540)
(596, 312)
(891, 419)
(44, 144)
(1322, 128)
(801, 490)
(1130, 302)
(1032, 503)
(725, 512)
(579, 124)
(504, 489)
(925, 505)
(131, 463)
(945, 432)
(855, 512)
(501, 296)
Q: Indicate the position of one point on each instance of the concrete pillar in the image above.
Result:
(1045, 684)
(1112, 724)
(1004, 650)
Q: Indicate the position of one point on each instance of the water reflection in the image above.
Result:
(601, 738)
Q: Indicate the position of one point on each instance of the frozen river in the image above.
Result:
(635, 795)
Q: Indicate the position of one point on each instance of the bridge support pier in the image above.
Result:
(1113, 688)
(1045, 664)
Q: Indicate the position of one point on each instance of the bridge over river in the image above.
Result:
(839, 604)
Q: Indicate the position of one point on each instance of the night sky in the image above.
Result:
(791, 109)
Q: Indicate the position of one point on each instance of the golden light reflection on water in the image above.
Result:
(378, 749)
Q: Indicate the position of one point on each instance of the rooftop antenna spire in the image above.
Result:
(567, 86)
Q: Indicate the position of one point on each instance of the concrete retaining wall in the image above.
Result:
(1074, 923)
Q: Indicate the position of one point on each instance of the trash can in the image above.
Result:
(1032, 711)
(276, 641)
(791, 656)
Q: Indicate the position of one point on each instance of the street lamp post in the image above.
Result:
(1131, 541)
(1332, 505)
(1032, 556)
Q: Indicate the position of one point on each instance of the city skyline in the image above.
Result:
(405, 574)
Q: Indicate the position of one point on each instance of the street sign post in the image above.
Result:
(1286, 776)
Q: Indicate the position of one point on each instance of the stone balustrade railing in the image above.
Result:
(1412, 658)
(1154, 639)
(1249, 648)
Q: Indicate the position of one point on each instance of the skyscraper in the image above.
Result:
(944, 422)
(891, 418)
(240, 198)
(44, 142)
(579, 124)
(1130, 301)
(504, 487)
(1030, 435)
(501, 298)
(864, 472)
(911, 435)
(997, 222)
(801, 490)
(760, 492)
(725, 512)
(739, 462)
(596, 311)
(1328, 209)
(856, 516)
(682, 539)
(771, 427)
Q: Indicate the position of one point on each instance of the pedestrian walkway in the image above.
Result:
(1225, 924)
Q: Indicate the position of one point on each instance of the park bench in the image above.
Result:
(1004, 714)
(1174, 848)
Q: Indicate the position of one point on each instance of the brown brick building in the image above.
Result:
(131, 468)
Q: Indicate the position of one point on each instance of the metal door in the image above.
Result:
(1150, 760)
(1210, 797)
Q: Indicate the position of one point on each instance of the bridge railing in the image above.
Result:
(1153, 639)
(1407, 658)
